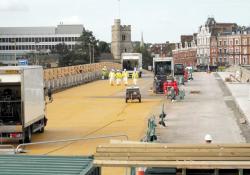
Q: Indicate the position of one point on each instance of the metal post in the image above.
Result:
(17, 150)
(216, 172)
(89, 54)
(93, 53)
(240, 171)
(184, 172)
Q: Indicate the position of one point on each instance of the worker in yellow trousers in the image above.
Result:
(135, 77)
(118, 77)
(125, 77)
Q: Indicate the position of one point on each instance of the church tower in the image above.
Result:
(121, 40)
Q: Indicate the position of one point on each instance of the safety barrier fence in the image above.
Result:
(66, 77)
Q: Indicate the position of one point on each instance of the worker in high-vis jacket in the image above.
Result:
(125, 77)
(104, 73)
(112, 77)
(118, 77)
(135, 77)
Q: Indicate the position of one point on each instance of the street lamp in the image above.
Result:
(91, 53)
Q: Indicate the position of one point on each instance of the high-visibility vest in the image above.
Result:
(135, 75)
(118, 75)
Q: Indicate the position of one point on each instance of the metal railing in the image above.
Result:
(19, 150)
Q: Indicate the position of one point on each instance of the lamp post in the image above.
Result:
(89, 53)
(93, 53)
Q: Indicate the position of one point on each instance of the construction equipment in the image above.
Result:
(133, 93)
(172, 90)
(163, 71)
(132, 61)
(22, 102)
(190, 73)
(179, 71)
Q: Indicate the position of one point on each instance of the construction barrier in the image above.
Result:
(66, 77)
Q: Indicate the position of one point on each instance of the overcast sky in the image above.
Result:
(159, 20)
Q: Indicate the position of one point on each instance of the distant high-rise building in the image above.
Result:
(17, 42)
(121, 40)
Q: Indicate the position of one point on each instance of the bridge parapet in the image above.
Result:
(65, 77)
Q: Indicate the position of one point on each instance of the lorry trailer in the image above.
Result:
(22, 102)
(163, 70)
(132, 61)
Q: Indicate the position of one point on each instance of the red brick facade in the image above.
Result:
(234, 49)
(186, 56)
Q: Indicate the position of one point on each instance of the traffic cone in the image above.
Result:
(140, 171)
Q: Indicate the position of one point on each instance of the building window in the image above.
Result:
(244, 41)
(220, 50)
(236, 42)
(225, 51)
(225, 43)
(123, 37)
(125, 50)
(220, 43)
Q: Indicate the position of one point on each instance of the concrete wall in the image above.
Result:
(245, 72)
(66, 77)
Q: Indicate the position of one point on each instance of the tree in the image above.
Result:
(103, 47)
(147, 59)
(86, 48)
(63, 52)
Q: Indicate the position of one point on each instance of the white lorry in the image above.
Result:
(130, 61)
(22, 102)
(163, 70)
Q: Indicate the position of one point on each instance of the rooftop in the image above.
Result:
(44, 165)
(60, 29)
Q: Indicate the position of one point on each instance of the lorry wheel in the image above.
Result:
(27, 135)
(42, 123)
(41, 130)
(139, 100)
(126, 100)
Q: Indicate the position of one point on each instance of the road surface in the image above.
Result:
(94, 109)
(205, 112)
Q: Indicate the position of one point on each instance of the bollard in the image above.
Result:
(140, 171)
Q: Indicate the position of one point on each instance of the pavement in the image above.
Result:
(202, 113)
(240, 93)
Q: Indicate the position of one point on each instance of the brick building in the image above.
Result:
(185, 52)
(234, 48)
(162, 49)
(207, 40)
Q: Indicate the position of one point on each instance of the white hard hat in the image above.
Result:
(124, 69)
(208, 137)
